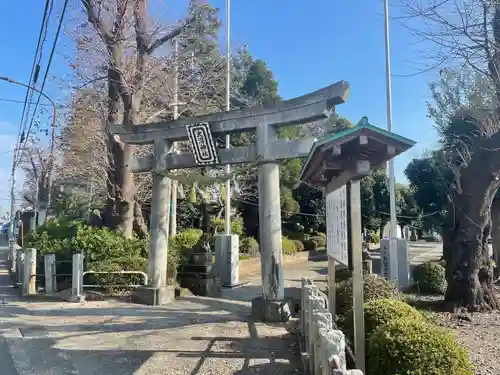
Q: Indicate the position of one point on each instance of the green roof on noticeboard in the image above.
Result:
(361, 125)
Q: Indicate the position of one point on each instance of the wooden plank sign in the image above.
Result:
(336, 225)
(202, 144)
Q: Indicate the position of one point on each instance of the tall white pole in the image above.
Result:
(227, 217)
(173, 205)
(392, 188)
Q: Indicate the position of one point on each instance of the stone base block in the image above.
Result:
(269, 311)
(154, 296)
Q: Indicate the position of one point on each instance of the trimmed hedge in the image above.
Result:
(299, 245)
(289, 247)
(182, 243)
(379, 312)
(413, 346)
(374, 287)
(430, 277)
(249, 246)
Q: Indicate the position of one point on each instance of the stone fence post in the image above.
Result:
(77, 278)
(19, 254)
(29, 272)
(325, 346)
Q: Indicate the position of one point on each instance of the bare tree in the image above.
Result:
(125, 55)
(120, 78)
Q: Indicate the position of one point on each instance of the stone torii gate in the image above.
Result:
(268, 152)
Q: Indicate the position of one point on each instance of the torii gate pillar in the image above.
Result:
(270, 306)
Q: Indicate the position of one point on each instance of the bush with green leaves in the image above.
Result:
(249, 246)
(288, 245)
(237, 226)
(299, 245)
(374, 287)
(320, 240)
(379, 312)
(103, 249)
(182, 243)
(430, 277)
(413, 346)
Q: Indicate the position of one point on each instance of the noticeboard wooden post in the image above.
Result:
(336, 161)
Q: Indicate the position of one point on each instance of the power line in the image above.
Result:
(20, 101)
(35, 66)
(54, 45)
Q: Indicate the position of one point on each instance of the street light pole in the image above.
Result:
(392, 187)
(227, 212)
(52, 149)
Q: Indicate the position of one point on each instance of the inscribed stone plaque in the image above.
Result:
(202, 143)
(336, 225)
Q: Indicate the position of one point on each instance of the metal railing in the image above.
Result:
(26, 274)
(143, 274)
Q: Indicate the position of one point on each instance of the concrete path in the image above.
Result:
(192, 336)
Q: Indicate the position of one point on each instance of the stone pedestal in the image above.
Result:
(270, 311)
(403, 264)
(394, 259)
(227, 257)
(200, 275)
(152, 296)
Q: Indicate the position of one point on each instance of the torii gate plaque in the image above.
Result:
(268, 151)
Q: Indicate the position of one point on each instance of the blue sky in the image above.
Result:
(307, 45)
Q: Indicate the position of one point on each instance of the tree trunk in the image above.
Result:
(125, 188)
(495, 236)
(140, 226)
(465, 249)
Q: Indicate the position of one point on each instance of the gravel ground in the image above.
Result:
(478, 333)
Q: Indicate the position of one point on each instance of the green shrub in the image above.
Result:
(430, 277)
(182, 243)
(299, 245)
(236, 225)
(379, 312)
(320, 241)
(342, 274)
(103, 249)
(375, 238)
(250, 246)
(413, 346)
(374, 287)
(288, 245)
(118, 264)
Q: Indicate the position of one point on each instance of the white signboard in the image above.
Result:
(336, 225)
(202, 143)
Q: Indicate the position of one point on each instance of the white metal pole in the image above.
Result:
(173, 207)
(228, 108)
(392, 182)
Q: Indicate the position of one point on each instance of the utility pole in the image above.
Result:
(175, 104)
(36, 217)
(227, 216)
